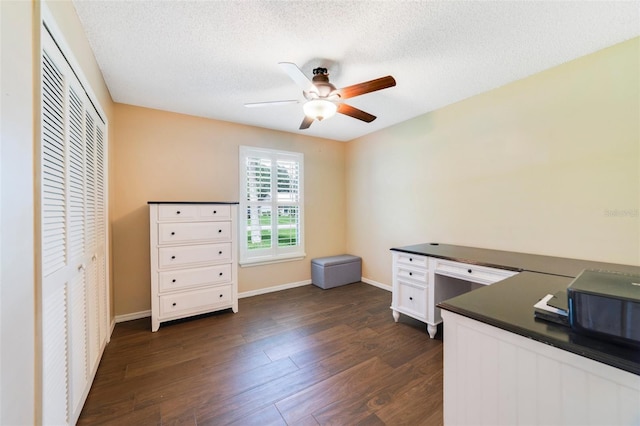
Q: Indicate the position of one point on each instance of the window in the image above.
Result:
(271, 205)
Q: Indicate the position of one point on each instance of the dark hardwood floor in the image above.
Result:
(303, 356)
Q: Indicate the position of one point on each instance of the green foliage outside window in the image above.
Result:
(286, 236)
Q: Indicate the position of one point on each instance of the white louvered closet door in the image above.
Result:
(74, 311)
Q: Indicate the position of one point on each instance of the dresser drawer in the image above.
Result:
(193, 255)
(196, 277)
(473, 273)
(169, 233)
(214, 211)
(412, 299)
(412, 259)
(421, 276)
(194, 301)
(177, 211)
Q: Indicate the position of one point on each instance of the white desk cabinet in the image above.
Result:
(194, 266)
(495, 377)
(421, 282)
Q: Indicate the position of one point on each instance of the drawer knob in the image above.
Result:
(469, 270)
(174, 304)
(220, 252)
(219, 231)
(410, 273)
(411, 259)
(173, 257)
(178, 212)
(215, 211)
(173, 280)
(410, 298)
(220, 295)
(173, 233)
(220, 273)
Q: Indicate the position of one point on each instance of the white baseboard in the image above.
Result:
(273, 289)
(133, 316)
(376, 284)
(145, 314)
(112, 327)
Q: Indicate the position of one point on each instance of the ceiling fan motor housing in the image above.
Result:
(324, 89)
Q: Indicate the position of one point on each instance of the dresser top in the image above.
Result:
(192, 202)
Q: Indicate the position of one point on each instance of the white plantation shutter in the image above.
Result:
(73, 243)
(271, 205)
(288, 201)
(258, 199)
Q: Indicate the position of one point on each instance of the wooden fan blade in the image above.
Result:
(270, 103)
(306, 122)
(367, 87)
(355, 113)
(297, 75)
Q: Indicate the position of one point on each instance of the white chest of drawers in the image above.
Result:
(194, 266)
(421, 282)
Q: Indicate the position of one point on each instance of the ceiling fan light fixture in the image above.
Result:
(319, 109)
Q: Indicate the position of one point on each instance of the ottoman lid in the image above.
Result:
(335, 260)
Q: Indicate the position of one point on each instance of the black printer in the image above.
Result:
(606, 305)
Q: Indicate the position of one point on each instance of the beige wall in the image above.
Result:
(549, 165)
(162, 156)
(17, 286)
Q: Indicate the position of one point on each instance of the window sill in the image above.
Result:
(251, 263)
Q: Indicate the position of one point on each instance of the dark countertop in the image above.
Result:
(514, 261)
(192, 202)
(539, 276)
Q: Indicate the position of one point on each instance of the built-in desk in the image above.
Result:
(503, 366)
(420, 282)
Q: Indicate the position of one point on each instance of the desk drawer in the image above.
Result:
(419, 275)
(473, 273)
(412, 260)
(412, 299)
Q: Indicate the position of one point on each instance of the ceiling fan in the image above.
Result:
(323, 100)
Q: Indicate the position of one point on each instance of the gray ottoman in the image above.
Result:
(334, 271)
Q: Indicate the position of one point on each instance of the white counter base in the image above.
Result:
(495, 377)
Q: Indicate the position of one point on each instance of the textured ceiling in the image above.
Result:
(208, 58)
